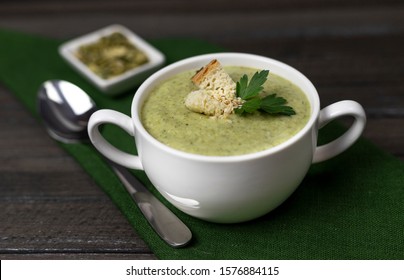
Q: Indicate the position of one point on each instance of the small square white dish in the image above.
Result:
(124, 81)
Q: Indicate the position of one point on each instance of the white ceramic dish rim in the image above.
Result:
(68, 48)
(138, 101)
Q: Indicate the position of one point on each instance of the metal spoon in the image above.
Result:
(65, 110)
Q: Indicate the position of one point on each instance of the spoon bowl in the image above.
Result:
(65, 109)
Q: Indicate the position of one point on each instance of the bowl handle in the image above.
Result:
(331, 112)
(103, 146)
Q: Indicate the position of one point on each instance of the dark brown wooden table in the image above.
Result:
(51, 209)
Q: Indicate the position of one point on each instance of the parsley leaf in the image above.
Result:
(276, 105)
(241, 87)
(249, 106)
(246, 90)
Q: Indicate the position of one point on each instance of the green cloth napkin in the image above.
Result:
(350, 207)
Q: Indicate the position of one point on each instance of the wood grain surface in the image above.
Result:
(51, 209)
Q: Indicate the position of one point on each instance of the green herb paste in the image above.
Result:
(111, 56)
(166, 118)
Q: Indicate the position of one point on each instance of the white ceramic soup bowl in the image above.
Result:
(228, 189)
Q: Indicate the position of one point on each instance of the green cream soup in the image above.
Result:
(166, 118)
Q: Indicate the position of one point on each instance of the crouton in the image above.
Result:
(217, 92)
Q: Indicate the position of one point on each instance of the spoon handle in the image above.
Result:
(168, 226)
